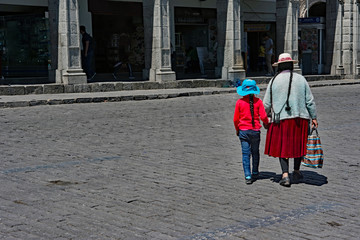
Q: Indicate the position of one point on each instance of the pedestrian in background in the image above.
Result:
(88, 53)
(261, 57)
(248, 112)
(290, 103)
(269, 45)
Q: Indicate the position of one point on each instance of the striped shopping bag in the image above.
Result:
(314, 154)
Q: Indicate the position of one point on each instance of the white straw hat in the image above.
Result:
(284, 57)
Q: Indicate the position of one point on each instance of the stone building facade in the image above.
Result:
(342, 47)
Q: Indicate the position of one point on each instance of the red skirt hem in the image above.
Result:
(287, 139)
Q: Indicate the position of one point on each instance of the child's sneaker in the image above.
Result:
(248, 180)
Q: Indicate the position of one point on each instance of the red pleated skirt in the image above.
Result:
(287, 139)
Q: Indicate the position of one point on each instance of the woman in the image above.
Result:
(290, 104)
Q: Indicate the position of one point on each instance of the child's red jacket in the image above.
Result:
(242, 115)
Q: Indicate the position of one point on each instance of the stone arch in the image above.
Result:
(317, 9)
(303, 6)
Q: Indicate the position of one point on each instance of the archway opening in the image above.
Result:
(318, 10)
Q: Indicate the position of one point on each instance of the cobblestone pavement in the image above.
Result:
(170, 169)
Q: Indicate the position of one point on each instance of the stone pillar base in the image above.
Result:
(231, 74)
(71, 76)
(357, 70)
(162, 75)
(340, 70)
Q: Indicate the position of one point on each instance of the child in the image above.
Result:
(248, 112)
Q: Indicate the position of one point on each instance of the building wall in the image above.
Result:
(85, 16)
(252, 10)
(262, 10)
(42, 3)
(305, 4)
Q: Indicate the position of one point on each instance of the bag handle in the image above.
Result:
(312, 130)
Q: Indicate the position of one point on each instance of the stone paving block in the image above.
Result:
(34, 89)
(140, 97)
(201, 83)
(160, 236)
(114, 99)
(16, 104)
(223, 83)
(104, 171)
(195, 93)
(173, 95)
(152, 96)
(118, 86)
(82, 88)
(84, 100)
(95, 87)
(138, 86)
(170, 85)
(12, 90)
(152, 85)
(99, 99)
(69, 88)
(127, 86)
(68, 101)
(107, 87)
(127, 98)
(53, 88)
(54, 101)
(185, 84)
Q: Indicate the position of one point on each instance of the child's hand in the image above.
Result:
(266, 126)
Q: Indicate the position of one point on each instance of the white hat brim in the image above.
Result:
(277, 63)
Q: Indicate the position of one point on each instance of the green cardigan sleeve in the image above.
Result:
(310, 102)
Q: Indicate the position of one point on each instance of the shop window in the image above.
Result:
(24, 44)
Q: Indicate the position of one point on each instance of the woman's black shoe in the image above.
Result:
(285, 182)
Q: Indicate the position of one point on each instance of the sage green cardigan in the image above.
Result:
(301, 99)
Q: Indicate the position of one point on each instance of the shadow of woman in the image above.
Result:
(310, 177)
(313, 178)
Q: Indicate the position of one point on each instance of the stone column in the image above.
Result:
(68, 65)
(357, 36)
(331, 28)
(348, 38)
(338, 54)
(233, 66)
(287, 15)
(148, 11)
(160, 70)
(54, 26)
(221, 11)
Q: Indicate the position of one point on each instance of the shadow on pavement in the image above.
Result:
(266, 175)
(313, 178)
(310, 177)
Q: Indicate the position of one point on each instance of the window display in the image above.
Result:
(24, 40)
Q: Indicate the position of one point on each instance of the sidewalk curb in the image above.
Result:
(131, 95)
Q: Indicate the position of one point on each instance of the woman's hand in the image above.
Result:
(314, 123)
